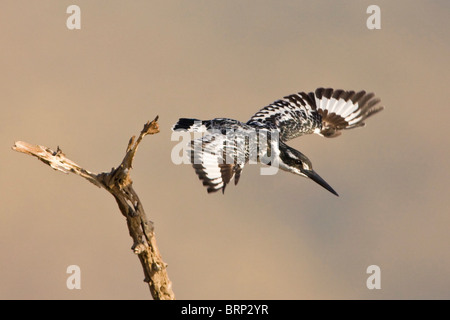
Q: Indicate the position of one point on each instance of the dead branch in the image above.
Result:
(119, 184)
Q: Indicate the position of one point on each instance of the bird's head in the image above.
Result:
(296, 162)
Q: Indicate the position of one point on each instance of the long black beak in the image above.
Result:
(314, 176)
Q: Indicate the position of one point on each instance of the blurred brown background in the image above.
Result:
(271, 237)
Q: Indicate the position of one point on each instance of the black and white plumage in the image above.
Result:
(227, 144)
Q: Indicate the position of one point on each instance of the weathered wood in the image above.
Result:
(120, 185)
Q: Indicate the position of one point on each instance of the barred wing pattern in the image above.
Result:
(325, 112)
(210, 158)
(221, 153)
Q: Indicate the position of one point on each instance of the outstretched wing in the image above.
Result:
(216, 161)
(341, 109)
(325, 112)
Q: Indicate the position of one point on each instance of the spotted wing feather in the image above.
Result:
(325, 112)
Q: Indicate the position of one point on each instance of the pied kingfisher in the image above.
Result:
(325, 112)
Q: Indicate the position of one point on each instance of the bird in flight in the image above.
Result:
(226, 145)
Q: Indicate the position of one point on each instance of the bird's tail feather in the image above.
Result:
(187, 124)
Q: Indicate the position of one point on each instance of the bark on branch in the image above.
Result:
(119, 184)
